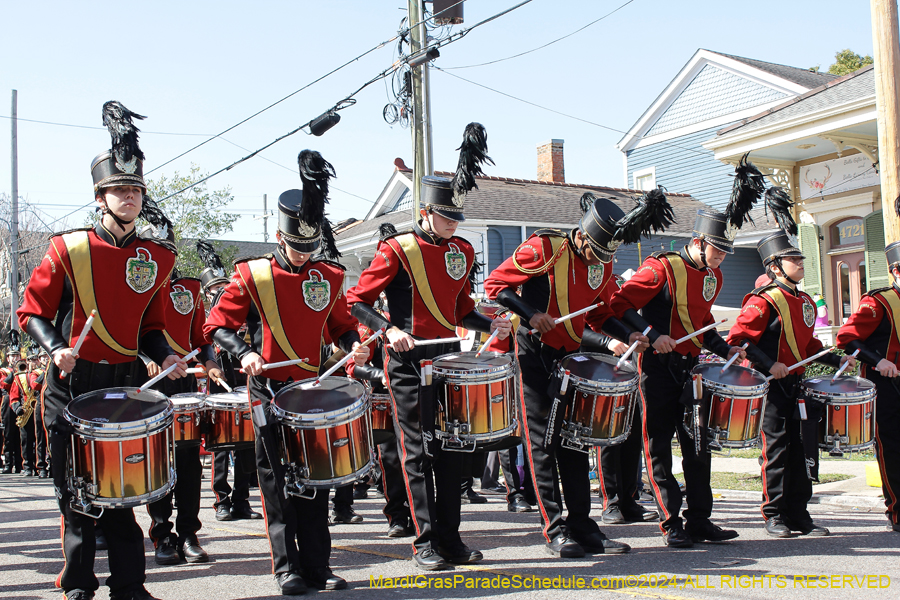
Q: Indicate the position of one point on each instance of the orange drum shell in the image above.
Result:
(486, 402)
(741, 418)
(333, 454)
(188, 426)
(606, 423)
(224, 434)
(382, 413)
(854, 421)
(136, 455)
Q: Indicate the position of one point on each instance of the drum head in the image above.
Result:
(843, 386)
(464, 363)
(735, 376)
(598, 367)
(334, 395)
(236, 400)
(118, 405)
(189, 401)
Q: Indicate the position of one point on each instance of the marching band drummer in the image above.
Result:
(287, 300)
(873, 330)
(561, 273)
(424, 277)
(122, 275)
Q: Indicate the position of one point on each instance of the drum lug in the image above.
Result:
(836, 440)
(293, 482)
(79, 502)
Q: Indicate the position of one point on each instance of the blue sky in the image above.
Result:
(200, 67)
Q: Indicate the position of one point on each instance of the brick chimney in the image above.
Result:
(550, 162)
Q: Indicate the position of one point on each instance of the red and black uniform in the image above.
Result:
(676, 295)
(124, 281)
(779, 322)
(554, 280)
(12, 443)
(185, 317)
(425, 279)
(24, 386)
(874, 330)
(287, 309)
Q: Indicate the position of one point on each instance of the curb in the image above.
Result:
(844, 500)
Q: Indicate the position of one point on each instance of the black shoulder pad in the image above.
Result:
(333, 263)
(249, 258)
(53, 235)
(186, 279)
(878, 291)
(763, 288)
(550, 232)
(164, 243)
(666, 253)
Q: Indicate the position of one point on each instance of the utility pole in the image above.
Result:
(14, 224)
(421, 132)
(265, 220)
(886, 46)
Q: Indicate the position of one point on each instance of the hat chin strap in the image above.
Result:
(121, 223)
(778, 262)
(703, 252)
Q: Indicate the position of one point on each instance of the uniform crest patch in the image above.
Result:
(182, 300)
(316, 291)
(141, 271)
(455, 262)
(595, 275)
(709, 287)
(809, 312)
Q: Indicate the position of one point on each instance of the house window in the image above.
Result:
(645, 179)
(848, 232)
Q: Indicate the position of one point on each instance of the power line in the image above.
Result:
(92, 127)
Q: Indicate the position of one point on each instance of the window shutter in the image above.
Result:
(876, 264)
(809, 246)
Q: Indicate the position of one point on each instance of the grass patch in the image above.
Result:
(753, 483)
(756, 452)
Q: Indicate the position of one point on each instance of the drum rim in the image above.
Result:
(332, 418)
(135, 501)
(850, 398)
(197, 405)
(128, 430)
(736, 391)
(489, 375)
(228, 405)
(591, 385)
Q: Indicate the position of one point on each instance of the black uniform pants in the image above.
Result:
(619, 469)
(887, 442)
(786, 485)
(12, 440)
(554, 465)
(662, 415)
(297, 527)
(28, 437)
(41, 435)
(244, 465)
(188, 470)
(123, 534)
(393, 484)
(432, 484)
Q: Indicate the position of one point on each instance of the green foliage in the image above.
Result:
(847, 61)
(816, 370)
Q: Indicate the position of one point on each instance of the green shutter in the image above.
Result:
(809, 246)
(876, 264)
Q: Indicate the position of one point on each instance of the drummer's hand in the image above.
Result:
(360, 354)
(849, 359)
(542, 322)
(153, 369)
(180, 366)
(643, 341)
(779, 370)
(664, 344)
(213, 371)
(400, 340)
(503, 327)
(737, 350)
(887, 368)
(252, 364)
(618, 348)
(64, 359)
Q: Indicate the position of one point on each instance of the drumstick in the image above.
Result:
(195, 370)
(438, 341)
(631, 349)
(570, 315)
(344, 360)
(164, 373)
(284, 363)
(224, 385)
(733, 358)
(84, 332)
(844, 366)
(803, 362)
(492, 337)
(696, 333)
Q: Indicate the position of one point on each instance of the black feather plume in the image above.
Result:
(652, 213)
(329, 246)
(897, 206)
(153, 214)
(587, 201)
(472, 154)
(315, 172)
(14, 340)
(122, 130)
(386, 230)
(176, 274)
(748, 187)
(207, 253)
(474, 272)
(780, 203)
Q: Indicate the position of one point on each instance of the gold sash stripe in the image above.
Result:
(679, 271)
(26, 389)
(776, 295)
(893, 304)
(417, 273)
(561, 282)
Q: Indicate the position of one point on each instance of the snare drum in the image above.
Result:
(326, 433)
(476, 401)
(848, 424)
(230, 424)
(122, 451)
(601, 400)
(733, 404)
(382, 419)
(190, 416)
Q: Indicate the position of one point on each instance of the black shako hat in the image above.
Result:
(123, 164)
(301, 213)
(713, 228)
(605, 226)
(774, 246)
(892, 253)
(446, 197)
(598, 225)
(214, 271)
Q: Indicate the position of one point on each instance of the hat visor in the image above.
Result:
(302, 247)
(604, 254)
(122, 179)
(720, 246)
(453, 215)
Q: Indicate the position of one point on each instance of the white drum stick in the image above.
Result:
(284, 363)
(224, 385)
(571, 315)
(165, 373)
(344, 360)
(195, 371)
(631, 348)
(487, 343)
(803, 362)
(734, 358)
(84, 332)
(699, 331)
(438, 341)
(844, 366)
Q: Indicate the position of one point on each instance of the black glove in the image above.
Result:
(20, 410)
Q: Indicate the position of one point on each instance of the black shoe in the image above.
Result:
(460, 555)
(639, 514)
(895, 527)
(78, 595)
(806, 528)
(776, 528)
(290, 584)
(138, 594)
(471, 497)
(706, 531)
(345, 515)
(360, 494)
(190, 550)
(518, 505)
(7, 470)
(598, 543)
(612, 515)
(678, 538)
(28, 472)
(496, 489)
(398, 530)
(429, 560)
(166, 553)
(243, 512)
(43, 474)
(100, 540)
(563, 546)
(322, 578)
(223, 513)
